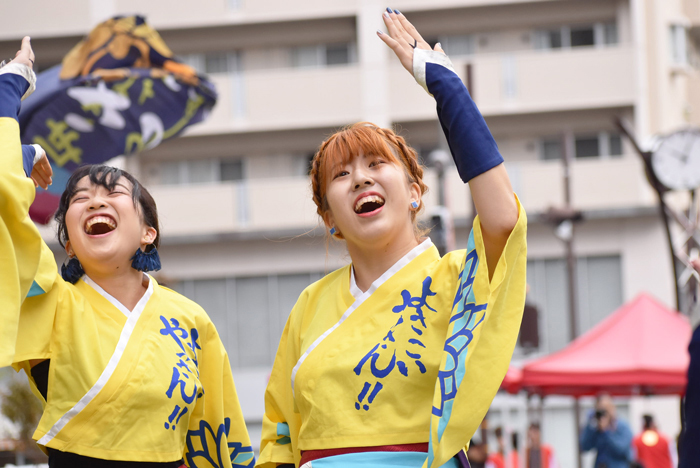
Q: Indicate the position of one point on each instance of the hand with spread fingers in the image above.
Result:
(402, 37)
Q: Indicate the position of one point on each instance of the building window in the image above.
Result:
(551, 149)
(582, 36)
(323, 55)
(195, 61)
(610, 33)
(599, 293)
(679, 44)
(338, 54)
(587, 146)
(213, 62)
(615, 145)
(548, 39)
(596, 34)
(458, 45)
(231, 171)
(249, 312)
(307, 56)
(216, 63)
(201, 171)
(596, 145)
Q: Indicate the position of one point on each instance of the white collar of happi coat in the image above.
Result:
(115, 302)
(127, 330)
(361, 297)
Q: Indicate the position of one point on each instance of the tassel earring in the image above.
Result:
(146, 261)
(72, 270)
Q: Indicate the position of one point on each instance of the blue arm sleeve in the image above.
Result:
(12, 88)
(589, 437)
(471, 143)
(28, 153)
(619, 441)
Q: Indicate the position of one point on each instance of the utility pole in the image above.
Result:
(568, 227)
(563, 218)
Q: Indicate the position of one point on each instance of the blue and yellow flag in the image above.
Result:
(119, 91)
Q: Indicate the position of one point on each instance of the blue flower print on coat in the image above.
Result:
(412, 313)
(206, 448)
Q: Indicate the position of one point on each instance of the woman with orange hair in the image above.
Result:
(394, 359)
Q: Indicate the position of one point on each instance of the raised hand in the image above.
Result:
(42, 172)
(25, 55)
(402, 37)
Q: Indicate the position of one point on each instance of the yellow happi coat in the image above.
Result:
(417, 358)
(152, 384)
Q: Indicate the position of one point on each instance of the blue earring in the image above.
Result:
(414, 205)
(146, 261)
(332, 231)
(72, 270)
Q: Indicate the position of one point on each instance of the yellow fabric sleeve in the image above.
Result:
(217, 428)
(280, 432)
(491, 349)
(22, 251)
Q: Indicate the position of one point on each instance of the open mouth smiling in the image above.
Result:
(368, 204)
(100, 224)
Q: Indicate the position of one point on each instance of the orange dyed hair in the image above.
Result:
(365, 138)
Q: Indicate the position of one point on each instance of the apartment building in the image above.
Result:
(241, 236)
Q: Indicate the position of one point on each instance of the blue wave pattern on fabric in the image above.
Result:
(411, 314)
(466, 316)
(205, 447)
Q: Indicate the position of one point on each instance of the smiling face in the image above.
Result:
(364, 179)
(103, 224)
(369, 200)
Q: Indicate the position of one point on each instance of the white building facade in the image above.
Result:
(240, 233)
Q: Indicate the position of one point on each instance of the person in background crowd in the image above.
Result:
(513, 459)
(496, 459)
(610, 436)
(477, 454)
(652, 449)
(538, 455)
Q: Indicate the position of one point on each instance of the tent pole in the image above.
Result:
(577, 422)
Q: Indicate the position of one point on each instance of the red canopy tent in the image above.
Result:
(642, 348)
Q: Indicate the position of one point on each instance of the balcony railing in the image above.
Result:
(523, 82)
(285, 204)
(532, 81)
(285, 98)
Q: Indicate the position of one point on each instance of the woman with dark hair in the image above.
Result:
(129, 372)
(395, 359)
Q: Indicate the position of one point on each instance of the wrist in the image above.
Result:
(25, 72)
(421, 57)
